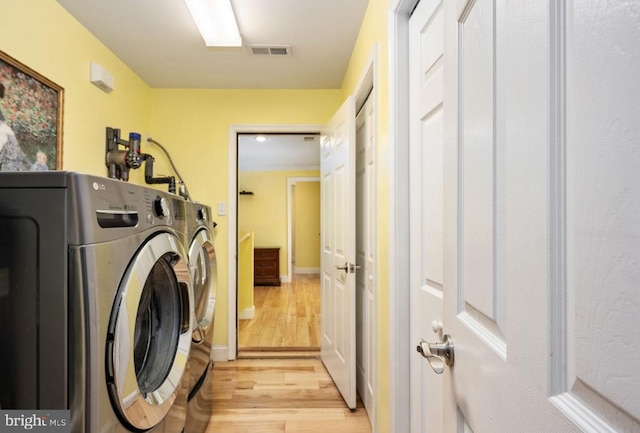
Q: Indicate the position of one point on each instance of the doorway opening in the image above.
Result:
(367, 349)
(278, 217)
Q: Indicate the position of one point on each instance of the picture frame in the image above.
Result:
(31, 108)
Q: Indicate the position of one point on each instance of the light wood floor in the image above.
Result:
(287, 316)
(280, 396)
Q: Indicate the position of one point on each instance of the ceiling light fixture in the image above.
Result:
(216, 22)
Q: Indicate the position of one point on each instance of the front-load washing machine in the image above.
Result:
(96, 302)
(199, 241)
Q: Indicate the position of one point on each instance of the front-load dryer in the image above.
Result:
(199, 241)
(96, 302)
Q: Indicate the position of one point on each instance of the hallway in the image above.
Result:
(287, 316)
(280, 396)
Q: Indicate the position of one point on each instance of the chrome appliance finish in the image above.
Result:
(85, 260)
(199, 242)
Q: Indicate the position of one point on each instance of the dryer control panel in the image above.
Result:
(119, 209)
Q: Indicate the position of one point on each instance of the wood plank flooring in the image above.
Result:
(287, 316)
(280, 396)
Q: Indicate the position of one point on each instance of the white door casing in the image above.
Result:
(338, 293)
(540, 205)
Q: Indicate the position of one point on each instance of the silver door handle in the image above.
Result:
(349, 268)
(437, 354)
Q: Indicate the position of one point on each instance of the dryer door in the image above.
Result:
(202, 260)
(149, 333)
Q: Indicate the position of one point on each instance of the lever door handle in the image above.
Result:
(349, 268)
(437, 354)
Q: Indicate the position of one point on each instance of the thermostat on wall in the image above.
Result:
(101, 78)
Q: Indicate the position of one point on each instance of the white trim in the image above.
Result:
(248, 313)
(219, 354)
(581, 414)
(399, 344)
(290, 182)
(285, 278)
(232, 276)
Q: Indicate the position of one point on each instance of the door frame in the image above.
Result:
(232, 270)
(399, 302)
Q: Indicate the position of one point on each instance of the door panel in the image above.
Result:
(338, 217)
(602, 208)
(477, 150)
(365, 241)
(524, 239)
(426, 207)
(489, 388)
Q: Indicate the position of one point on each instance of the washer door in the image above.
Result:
(149, 333)
(202, 260)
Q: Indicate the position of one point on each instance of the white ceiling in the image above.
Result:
(159, 41)
(279, 152)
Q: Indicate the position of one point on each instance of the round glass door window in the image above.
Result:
(151, 329)
(158, 326)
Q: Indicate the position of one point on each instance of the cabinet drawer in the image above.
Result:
(265, 266)
(266, 255)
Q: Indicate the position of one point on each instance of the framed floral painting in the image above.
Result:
(30, 119)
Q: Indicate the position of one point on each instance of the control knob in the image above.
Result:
(201, 215)
(161, 207)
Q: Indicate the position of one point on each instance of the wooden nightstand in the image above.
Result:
(266, 266)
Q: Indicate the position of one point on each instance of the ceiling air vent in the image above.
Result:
(270, 50)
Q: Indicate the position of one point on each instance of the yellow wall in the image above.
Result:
(265, 212)
(44, 37)
(307, 225)
(193, 124)
(245, 271)
(373, 38)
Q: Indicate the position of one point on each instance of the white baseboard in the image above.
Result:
(248, 313)
(285, 279)
(307, 270)
(220, 353)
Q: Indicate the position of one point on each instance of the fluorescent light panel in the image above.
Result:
(216, 22)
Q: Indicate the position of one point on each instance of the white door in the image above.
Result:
(426, 250)
(365, 255)
(541, 245)
(338, 292)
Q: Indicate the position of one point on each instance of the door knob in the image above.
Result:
(437, 354)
